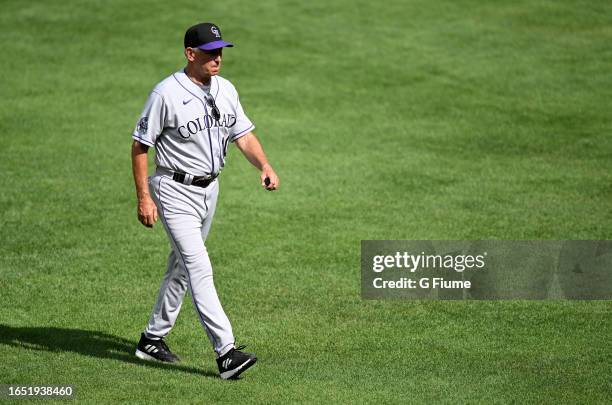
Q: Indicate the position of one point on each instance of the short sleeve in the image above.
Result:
(151, 121)
(243, 123)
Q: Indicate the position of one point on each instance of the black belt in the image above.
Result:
(188, 179)
(199, 181)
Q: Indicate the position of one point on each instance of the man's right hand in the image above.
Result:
(147, 211)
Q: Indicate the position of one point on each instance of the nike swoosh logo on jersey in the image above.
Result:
(185, 102)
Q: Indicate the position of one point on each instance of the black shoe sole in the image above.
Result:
(147, 357)
(244, 367)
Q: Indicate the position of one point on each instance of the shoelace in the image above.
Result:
(164, 345)
(241, 347)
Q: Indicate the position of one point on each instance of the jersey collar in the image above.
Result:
(186, 81)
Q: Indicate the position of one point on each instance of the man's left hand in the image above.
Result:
(273, 182)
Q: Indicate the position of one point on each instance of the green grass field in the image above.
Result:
(393, 120)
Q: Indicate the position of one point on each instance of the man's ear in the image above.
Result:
(190, 54)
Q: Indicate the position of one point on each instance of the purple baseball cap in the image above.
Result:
(205, 36)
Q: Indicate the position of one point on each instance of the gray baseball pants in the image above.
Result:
(187, 213)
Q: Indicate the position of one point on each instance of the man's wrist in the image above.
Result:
(266, 166)
(143, 196)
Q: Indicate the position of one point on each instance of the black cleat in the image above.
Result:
(234, 363)
(156, 350)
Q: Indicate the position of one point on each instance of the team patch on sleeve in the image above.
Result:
(143, 124)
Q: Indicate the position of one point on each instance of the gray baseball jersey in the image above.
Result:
(177, 120)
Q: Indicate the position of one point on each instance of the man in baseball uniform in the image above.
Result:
(190, 118)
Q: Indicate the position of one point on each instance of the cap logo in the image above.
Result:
(215, 31)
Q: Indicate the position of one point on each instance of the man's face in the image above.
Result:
(208, 62)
